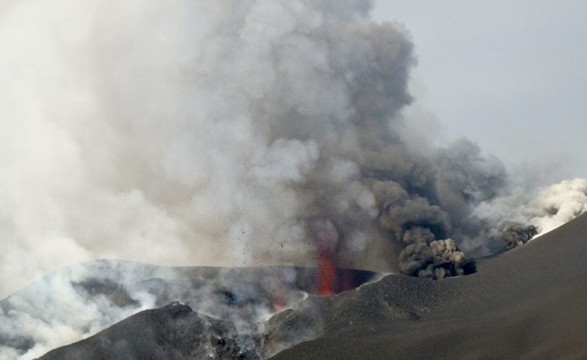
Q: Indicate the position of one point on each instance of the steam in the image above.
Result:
(80, 300)
(29, 329)
(217, 133)
(522, 215)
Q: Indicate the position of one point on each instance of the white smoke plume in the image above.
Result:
(544, 209)
(216, 133)
(53, 311)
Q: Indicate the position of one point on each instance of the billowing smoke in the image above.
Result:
(198, 133)
(214, 133)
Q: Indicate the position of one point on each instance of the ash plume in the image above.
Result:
(218, 133)
(198, 133)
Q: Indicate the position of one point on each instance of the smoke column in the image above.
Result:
(198, 133)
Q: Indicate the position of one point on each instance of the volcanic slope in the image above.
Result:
(528, 303)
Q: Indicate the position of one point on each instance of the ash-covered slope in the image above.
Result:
(528, 303)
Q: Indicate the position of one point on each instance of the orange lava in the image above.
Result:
(326, 275)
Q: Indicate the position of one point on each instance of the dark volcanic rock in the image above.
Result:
(171, 332)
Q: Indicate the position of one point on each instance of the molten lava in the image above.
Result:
(326, 273)
(325, 279)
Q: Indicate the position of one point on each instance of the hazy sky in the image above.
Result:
(510, 75)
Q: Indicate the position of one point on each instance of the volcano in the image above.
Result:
(279, 144)
(527, 303)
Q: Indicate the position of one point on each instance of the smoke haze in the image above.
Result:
(219, 133)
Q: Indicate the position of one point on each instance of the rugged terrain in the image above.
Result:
(527, 303)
